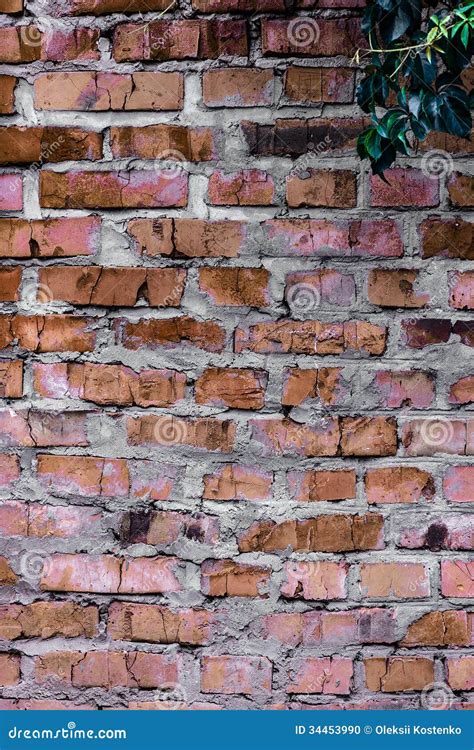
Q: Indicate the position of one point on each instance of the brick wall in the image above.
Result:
(236, 371)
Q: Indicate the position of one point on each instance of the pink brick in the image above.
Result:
(457, 579)
(329, 676)
(407, 187)
(228, 675)
(315, 580)
(11, 192)
(9, 470)
(458, 484)
(461, 286)
(461, 672)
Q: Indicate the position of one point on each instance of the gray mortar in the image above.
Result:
(449, 362)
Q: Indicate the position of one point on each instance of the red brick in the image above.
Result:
(233, 387)
(368, 436)
(135, 189)
(297, 137)
(308, 36)
(20, 145)
(311, 337)
(398, 484)
(314, 85)
(11, 6)
(161, 528)
(188, 238)
(7, 576)
(7, 94)
(167, 431)
(249, 187)
(48, 620)
(447, 628)
(238, 87)
(326, 385)
(279, 437)
(229, 675)
(447, 238)
(11, 378)
(92, 91)
(107, 669)
(180, 40)
(100, 7)
(461, 190)
(239, 6)
(395, 288)
(10, 279)
(174, 143)
(458, 484)
(21, 44)
(236, 286)
(404, 188)
(394, 580)
(47, 333)
(48, 238)
(316, 486)
(114, 287)
(422, 332)
(228, 578)
(330, 676)
(80, 43)
(155, 624)
(171, 332)
(398, 674)
(328, 533)
(335, 189)
(237, 482)
(109, 384)
(92, 476)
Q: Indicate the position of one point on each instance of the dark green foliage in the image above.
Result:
(413, 84)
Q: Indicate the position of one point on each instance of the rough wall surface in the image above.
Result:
(236, 372)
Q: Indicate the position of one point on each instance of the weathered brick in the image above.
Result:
(47, 333)
(180, 40)
(19, 145)
(9, 669)
(167, 431)
(238, 87)
(315, 486)
(11, 192)
(171, 332)
(447, 238)
(398, 674)
(462, 391)
(135, 189)
(228, 578)
(10, 279)
(236, 388)
(445, 628)
(325, 384)
(7, 94)
(457, 579)
(461, 190)
(236, 286)
(237, 482)
(227, 675)
(460, 672)
(461, 295)
(48, 620)
(48, 238)
(404, 187)
(395, 288)
(398, 484)
(114, 287)
(297, 137)
(315, 580)
(335, 189)
(330, 676)
(314, 85)
(458, 484)
(187, 238)
(308, 36)
(394, 580)
(249, 187)
(402, 388)
(92, 91)
(155, 624)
